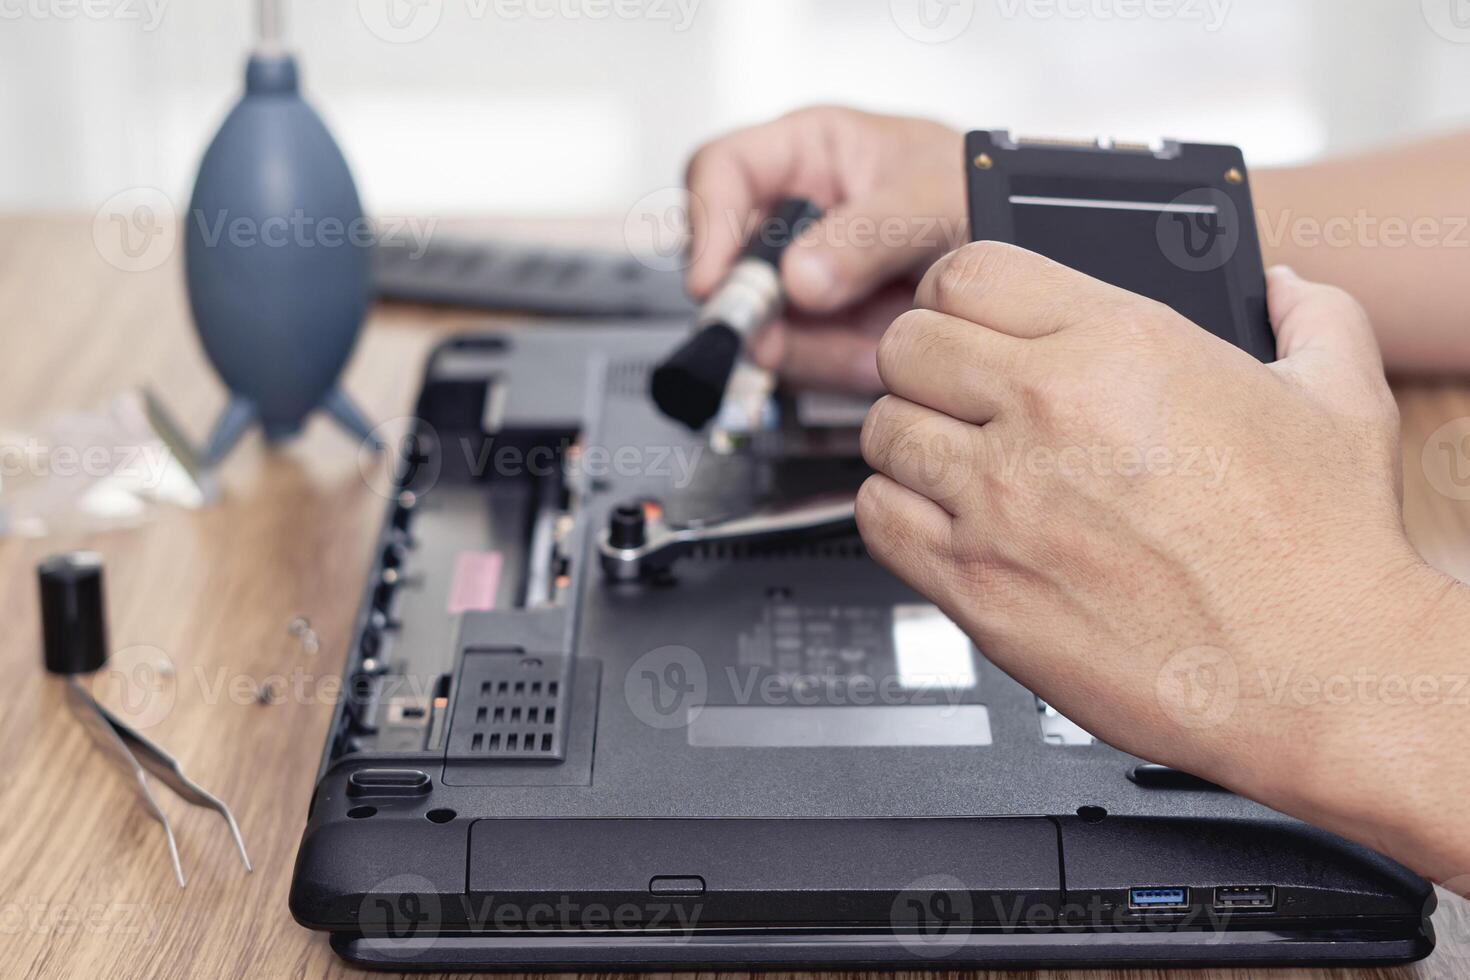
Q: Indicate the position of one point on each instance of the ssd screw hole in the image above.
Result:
(362, 812)
(1091, 814)
(441, 816)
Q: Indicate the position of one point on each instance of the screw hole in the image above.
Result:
(531, 662)
(441, 816)
(1091, 814)
(362, 812)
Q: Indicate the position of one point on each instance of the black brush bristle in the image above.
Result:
(690, 384)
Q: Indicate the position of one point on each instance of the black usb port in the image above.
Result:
(1245, 898)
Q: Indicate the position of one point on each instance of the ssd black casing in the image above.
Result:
(999, 167)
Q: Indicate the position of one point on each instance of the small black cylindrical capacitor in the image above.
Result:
(690, 383)
(73, 612)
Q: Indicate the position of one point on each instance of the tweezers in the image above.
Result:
(137, 757)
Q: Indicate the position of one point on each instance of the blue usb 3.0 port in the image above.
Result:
(1158, 899)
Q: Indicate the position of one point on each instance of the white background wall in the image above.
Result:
(543, 106)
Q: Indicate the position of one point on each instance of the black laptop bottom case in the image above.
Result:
(765, 755)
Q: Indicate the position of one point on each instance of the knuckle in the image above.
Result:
(1156, 317)
(1143, 323)
(1392, 420)
(883, 525)
(896, 346)
(947, 465)
(1385, 408)
(974, 570)
(700, 163)
(979, 564)
(875, 436)
(867, 510)
(1009, 507)
(1050, 399)
(818, 112)
(966, 269)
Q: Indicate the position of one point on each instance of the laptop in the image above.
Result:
(624, 697)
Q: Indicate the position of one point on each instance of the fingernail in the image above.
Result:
(809, 276)
(1284, 270)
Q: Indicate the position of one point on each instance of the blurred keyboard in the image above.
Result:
(527, 278)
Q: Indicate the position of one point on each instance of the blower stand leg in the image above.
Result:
(340, 406)
(238, 416)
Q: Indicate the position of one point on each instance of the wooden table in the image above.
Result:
(85, 888)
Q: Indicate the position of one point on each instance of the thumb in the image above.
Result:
(1321, 331)
(856, 248)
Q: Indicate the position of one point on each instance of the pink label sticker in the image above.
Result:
(476, 580)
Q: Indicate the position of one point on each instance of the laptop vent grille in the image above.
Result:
(510, 706)
(838, 548)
